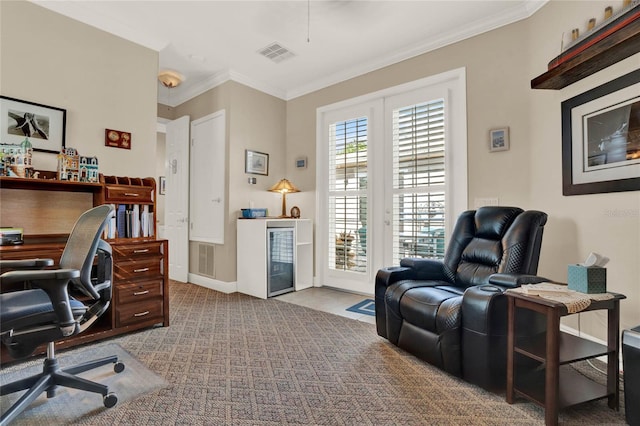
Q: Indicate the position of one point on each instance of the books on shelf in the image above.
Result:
(131, 221)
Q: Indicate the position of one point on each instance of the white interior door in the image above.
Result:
(177, 198)
(207, 168)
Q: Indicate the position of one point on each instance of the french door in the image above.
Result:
(385, 175)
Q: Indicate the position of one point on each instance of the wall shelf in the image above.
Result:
(620, 45)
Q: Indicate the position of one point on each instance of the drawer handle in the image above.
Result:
(131, 194)
(140, 293)
(141, 251)
(141, 270)
(141, 314)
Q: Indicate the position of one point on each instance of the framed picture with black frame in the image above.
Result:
(44, 125)
(601, 138)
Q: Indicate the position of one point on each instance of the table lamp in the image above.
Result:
(284, 187)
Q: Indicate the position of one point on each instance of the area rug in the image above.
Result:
(237, 360)
(70, 405)
(366, 307)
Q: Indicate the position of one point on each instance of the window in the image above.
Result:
(348, 195)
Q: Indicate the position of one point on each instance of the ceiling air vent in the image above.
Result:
(276, 52)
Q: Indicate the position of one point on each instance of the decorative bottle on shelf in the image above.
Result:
(27, 162)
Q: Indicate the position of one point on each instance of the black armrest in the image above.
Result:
(424, 269)
(515, 280)
(25, 264)
(387, 276)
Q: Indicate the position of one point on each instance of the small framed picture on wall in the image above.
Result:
(499, 139)
(256, 163)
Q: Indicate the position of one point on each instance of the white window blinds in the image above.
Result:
(348, 195)
(419, 180)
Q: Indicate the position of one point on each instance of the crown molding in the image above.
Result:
(189, 90)
(509, 16)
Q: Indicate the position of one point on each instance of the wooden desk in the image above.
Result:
(556, 385)
(140, 286)
(45, 208)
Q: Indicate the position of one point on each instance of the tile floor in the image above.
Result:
(329, 300)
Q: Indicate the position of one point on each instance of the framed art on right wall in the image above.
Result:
(499, 139)
(601, 138)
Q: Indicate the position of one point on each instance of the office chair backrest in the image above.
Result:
(82, 245)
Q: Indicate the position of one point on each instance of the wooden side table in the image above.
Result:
(554, 384)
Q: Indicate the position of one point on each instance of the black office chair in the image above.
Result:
(45, 312)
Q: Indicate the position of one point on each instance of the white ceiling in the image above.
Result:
(210, 42)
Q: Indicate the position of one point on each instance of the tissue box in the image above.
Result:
(587, 279)
(253, 213)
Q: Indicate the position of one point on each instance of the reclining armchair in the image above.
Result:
(44, 312)
(452, 312)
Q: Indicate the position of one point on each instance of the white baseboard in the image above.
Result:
(222, 286)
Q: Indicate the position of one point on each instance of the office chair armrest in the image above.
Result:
(54, 283)
(25, 264)
(40, 277)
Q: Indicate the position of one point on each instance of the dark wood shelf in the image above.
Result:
(572, 348)
(49, 185)
(574, 388)
(620, 45)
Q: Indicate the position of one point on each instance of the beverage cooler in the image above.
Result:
(281, 258)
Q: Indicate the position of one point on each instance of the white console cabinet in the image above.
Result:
(253, 254)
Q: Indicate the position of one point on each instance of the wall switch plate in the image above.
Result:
(479, 202)
(252, 180)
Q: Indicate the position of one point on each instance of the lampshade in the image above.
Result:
(284, 187)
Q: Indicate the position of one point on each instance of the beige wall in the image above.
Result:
(255, 121)
(101, 80)
(604, 223)
(499, 66)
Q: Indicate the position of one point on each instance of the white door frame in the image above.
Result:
(177, 197)
(379, 216)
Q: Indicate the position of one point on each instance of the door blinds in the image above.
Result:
(419, 180)
(347, 229)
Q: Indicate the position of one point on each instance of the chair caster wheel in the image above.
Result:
(118, 367)
(110, 400)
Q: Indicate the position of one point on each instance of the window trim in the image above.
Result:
(456, 153)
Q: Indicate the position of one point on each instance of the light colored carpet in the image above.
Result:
(233, 359)
(70, 405)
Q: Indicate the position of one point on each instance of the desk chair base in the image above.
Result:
(53, 376)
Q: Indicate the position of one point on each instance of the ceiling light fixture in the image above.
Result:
(170, 79)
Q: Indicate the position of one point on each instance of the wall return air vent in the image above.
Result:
(276, 52)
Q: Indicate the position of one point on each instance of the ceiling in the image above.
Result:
(210, 42)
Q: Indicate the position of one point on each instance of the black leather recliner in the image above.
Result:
(452, 313)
